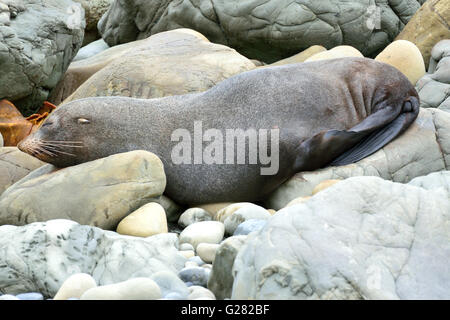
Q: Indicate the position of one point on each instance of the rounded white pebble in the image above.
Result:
(205, 231)
(207, 251)
(187, 253)
(133, 289)
(75, 286)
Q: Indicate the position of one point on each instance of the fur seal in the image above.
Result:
(330, 112)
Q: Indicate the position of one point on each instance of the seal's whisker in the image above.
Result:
(62, 141)
(59, 145)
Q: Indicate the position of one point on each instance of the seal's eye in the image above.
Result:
(83, 121)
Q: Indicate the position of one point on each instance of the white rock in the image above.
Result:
(206, 231)
(8, 297)
(75, 286)
(146, 221)
(133, 289)
(207, 251)
(186, 246)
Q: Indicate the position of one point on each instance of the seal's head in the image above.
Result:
(74, 133)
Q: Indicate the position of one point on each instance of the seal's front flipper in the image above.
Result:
(341, 147)
(377, 137)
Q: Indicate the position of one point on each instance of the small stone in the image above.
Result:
(336, 52)
(186, 246)
(169, 282)
(174, 296)
(272, 211)
(190, 264)
(197, 260)
(187, 253)
(30, 296)
(405, 57)
(75, 286)
(133, 289)
(198, 292)
(248, 226)
(205, 231)
(207, 266)
(207, 251)
(245, 213)
(8, 297)
(193, 215)
(1, 141)
(323, 185)
(197, 275)
(297, 201)
(214, 208)
(146, 221)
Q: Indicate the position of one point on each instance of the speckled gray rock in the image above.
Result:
(40, 256)
(193, 215)
(221, 279)
(98, 193)
(264, 30)
(14, 165)
(423, 148)
(434, 87)
(341, 244)
(38, 39)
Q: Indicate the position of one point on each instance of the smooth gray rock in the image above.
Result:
(198, 276)
(423, 148)
(91, 50)
(264, 30)
(221, 280)
(251, 225)
(15, 165)
(38, 39)
(362, 238)
(99, 193)
(42, 255)
(169, 283)
(30, 296)
(434, 87)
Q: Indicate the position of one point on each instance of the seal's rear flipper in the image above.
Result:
(341, 147)
(378, 136)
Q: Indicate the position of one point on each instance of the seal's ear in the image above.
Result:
(341, 147)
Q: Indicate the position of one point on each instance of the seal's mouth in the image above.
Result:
(48, 150)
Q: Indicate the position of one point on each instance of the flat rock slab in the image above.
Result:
(362, 238)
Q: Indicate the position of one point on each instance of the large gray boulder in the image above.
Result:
(99, 193)
(420, 150)
(362, 238)
(38, 39)
(265, 30)
(169, 63)
(434, 87)
(40, 256)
